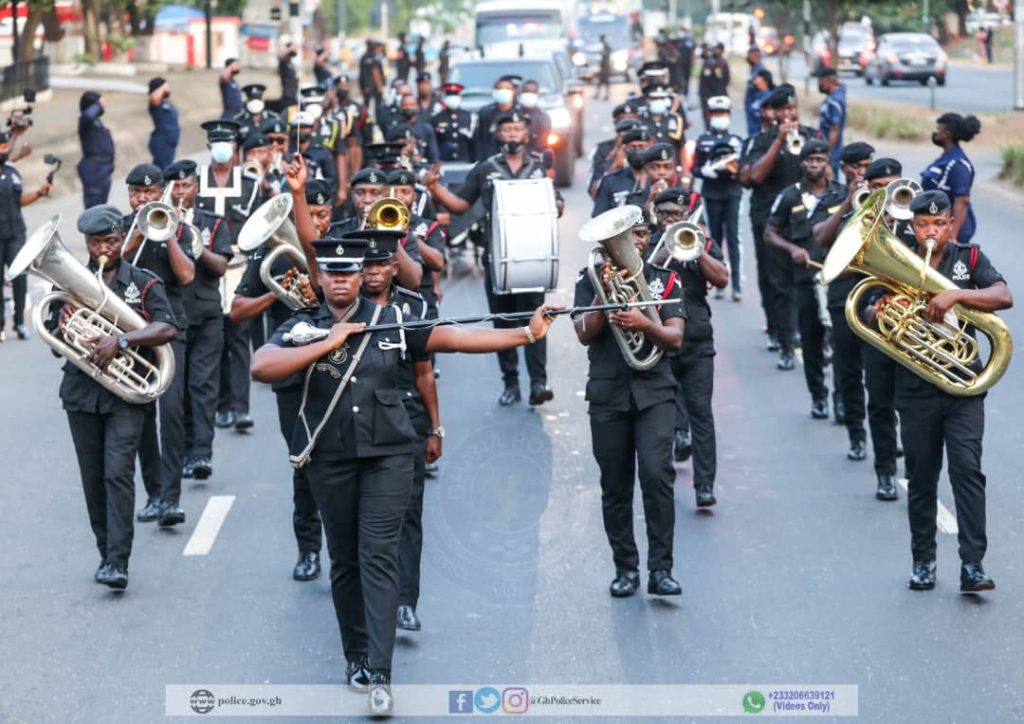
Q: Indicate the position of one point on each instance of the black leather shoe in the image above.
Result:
(819, 409)
(19, 329)
(737, 296)
(974, 579)
(243, 421)
(431, 469)
(150, 513)
(661, 583)
(510, 396)
(308, 567)
(114, 576)
(772, 342)
(838, 411)
(224, 420)
(170, 515)
(705, 496)
(786, 361)
(857, 451)
(886, 487)
(539, 394)
(407, 619)
(683, 446)
(188, 469)
(923, 577)
(202, 468)
(625, 584)
(381, 701)
(357, 674)
(99, 572)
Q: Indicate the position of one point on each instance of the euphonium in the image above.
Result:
(943, 353)
(98, 312)
(270, 224)
(613, 231)
(898, 195)
(388, 213)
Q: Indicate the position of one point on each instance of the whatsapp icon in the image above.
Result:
(753, 702)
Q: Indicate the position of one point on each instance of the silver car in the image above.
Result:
(907, 56)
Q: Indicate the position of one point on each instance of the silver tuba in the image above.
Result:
(898, 195)
(130, 376)
(613, 232)
(270, 225)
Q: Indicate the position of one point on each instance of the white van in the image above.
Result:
(499, 22)
(732, 30)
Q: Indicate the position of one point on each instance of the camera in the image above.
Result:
(21, 118)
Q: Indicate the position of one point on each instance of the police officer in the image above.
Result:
(230, 94)
(625, 173)
(513, 162)
(105, 429)
(163, 142)
(624, 119)
(953, 172)
(604, 68)
(254, 112)
(658, 173)
(662, 124)
(371, 74)
(409, 119)
(832, 117)
(12, 232)
(321, 161)
(97, 164)
(504, 95)
(428, 102)
(933, 419)
(288, 76)
(694, 365)
(789, 232)
(402, 61)
(360, 122)
(427, 235)
(538, 122)
(752, 91)
(161, 456)
(631, 417)
(714, 78)
(685, 48)
(358, 452)
(453, 126)
(720, 188)
(205, 338)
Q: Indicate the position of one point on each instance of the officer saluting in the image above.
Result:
(105, 429)
(166, 132)
(97, 164)
(453, 126)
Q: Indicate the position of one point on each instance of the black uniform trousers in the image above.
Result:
(801, 295)
(203, 351)
(928, 424)
(880, 379)
(162, 453)
(783, 319)
(9, 248)
(410, 545)
(536, 354)
(305, 516)
(622, 441)
(763, 256)
(848, 367)
(694, 369)
(234, 367)
(106, 445)
(724, 220)
(363, 502)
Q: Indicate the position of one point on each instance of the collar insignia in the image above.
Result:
(657, 287)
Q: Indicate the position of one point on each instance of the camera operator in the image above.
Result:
(12, 230)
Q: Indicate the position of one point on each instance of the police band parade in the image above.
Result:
(309, 253)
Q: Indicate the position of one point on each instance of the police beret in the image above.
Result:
(637, 134)
(781, 96)
(272, 125)
(510, 117)
(814, 147)
(381, 244)
(220, 130)
(719, 103)
(930, 202)
(856, 152)
(101, 219)
(254, 90)
(180, 170)
(627, 125)
(883, 168)
(145, 174)
(827, 73)
(679, 196)
(155, 83)
(311, 94)
(425, 75)
(318, 192)
(255, 140)
(622, 109)
(659, 152)
(401, 177)
(369, 176)
(340, 255)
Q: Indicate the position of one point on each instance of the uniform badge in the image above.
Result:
(933, 209)
(339, 250)
(406, 309)
(421, 230)
(960, 271)
(372, 178)
(371, 243)
(321, 198)
(339, 355)
(657, 287)
(132, 295)
(205, 233)
(147, 181)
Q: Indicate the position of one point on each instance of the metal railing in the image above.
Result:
(23, 75)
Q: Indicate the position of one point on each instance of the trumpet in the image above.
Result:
(724, 161)
(861, 196)
(898, 195)
(387, 213)
(98, 313)
(794, 142)
(254, 169)
(684, 240)
(270, 224)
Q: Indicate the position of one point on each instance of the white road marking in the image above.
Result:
(944, 520)
(205, 533)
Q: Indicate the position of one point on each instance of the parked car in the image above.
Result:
(856, 42)
(907, 56)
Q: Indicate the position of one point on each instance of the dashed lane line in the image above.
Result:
(206, 530)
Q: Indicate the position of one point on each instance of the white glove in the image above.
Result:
(707, 171)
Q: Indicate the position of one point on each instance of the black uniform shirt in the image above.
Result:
(235, 202)
(431, 233)
(785, 172)
(600, 163)
(670, 128)
(725, 184)
(793, 213)
(486, 142)
(202, 296)
(695, 292)
(611, 382)
(454, 129)
(144, 293)
(840, 288)
(614, 190)
(156, 258)
(12, 223)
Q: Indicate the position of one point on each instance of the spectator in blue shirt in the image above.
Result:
(753, 116)
(763, 85)
(953, 172)
(833, 114)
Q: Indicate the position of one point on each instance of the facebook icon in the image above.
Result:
(460, 702)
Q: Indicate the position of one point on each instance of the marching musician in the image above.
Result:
(631, 420)
(624, 119)
(105, 429)
(358, 452)
(360, 122)
(454, 126)
(428, 235)
(662, 124)
(659, 174)
(427, 100)
(624, 175)
(513, 161)
(409, 120)
(161, 457)
(933, 420)
(321, 160)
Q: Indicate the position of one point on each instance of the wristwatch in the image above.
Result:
(437, 432)
(122, 342)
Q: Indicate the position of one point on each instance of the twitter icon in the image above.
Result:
(487, 699)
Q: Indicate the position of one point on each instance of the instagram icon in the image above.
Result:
(515, 700)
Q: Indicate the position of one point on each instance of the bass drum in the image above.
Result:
(524, 236)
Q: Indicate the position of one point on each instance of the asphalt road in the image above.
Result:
(798, 576)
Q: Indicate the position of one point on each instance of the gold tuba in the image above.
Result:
(613, 231)
(943, 353)
(270, 224)
(130, 376)
(388, 213)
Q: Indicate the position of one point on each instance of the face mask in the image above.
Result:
(167, 95)
(512, 147)
(635, 159)
(502, 96)
(408, 113)
(936, 139)
(453, 102)
(529, 100)
(305, 138)
(822, 90)
(254, 106)
(3, 158)
(720, 123)
(222, 151)
(658, 108)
